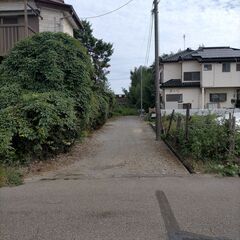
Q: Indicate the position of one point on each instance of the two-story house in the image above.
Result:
(205, 78)
(22, 18)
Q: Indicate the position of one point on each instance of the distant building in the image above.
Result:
(42, 16)
(121, 99)
(205, 78)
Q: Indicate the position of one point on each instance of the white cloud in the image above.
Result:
(208, 22)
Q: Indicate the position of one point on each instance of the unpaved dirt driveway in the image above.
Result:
(123, 147)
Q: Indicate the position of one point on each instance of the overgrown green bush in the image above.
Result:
(51, 62)
(237, 144)
(40, 124)
(207, 138)
(124, 111)
(47, 97)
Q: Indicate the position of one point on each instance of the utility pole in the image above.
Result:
(25, 18)
(157, 73)
(141, 93)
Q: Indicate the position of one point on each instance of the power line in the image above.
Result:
(107, 13)
(149, 39)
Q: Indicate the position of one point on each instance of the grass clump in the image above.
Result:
(228, 170)
(10, 176)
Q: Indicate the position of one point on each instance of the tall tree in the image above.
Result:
(99, 51)
(134, 93)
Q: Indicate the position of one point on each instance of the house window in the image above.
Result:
(226, 67)
(207, 67)
(10, 20)
(192, 76)
(238, 67)
(174, 97)
(218, 97)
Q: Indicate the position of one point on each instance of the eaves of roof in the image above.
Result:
(205, 54)
(177, 83)
(62, 6)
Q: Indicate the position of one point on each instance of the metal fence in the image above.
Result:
(203, 112)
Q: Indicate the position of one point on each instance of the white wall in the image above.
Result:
(67, 27)
(231, 94)
(217, 78)
(190, 66)
(190, 95)
(171, 71)
(54, 21)
(51, 21)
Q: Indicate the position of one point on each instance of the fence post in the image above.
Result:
(232, 125)
(170, 122)
(187, 122)
(179, 119)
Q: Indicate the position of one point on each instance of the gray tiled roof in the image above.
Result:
(178, 83)
(186, 55)
(204, 53)
(218, 52)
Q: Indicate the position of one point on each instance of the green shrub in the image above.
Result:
(10, 176)
(42, 123)
(237, 144)
(9, 95)
(207, 139)
(124, 111)
(47, 97)
(229, 170)
(51, 62)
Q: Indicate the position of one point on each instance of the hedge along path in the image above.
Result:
(47, 98)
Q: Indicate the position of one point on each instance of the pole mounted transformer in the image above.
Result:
(157, 73)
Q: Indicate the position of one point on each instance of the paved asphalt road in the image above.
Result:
(123, 185)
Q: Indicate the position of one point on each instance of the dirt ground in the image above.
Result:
(123, 147)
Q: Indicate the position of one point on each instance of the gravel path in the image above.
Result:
(125, 146)
(121, 185)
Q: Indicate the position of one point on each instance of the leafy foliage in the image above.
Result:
(124, 111)
(134, 94)
(229, 170)
(208, 139)
(99, 51)
(40, 124)
(47, 97)
(10, 176)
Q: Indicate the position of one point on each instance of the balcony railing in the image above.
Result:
(10, 35)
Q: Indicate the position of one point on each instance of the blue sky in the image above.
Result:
(208, 22)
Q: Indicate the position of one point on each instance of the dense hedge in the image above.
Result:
(208, 138)
(47, 97)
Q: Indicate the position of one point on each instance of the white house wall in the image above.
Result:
(54, 21)
(171, 71)
(217, 78)
(190, 95)
(67, 27)
(190, 66)
(231, 94)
